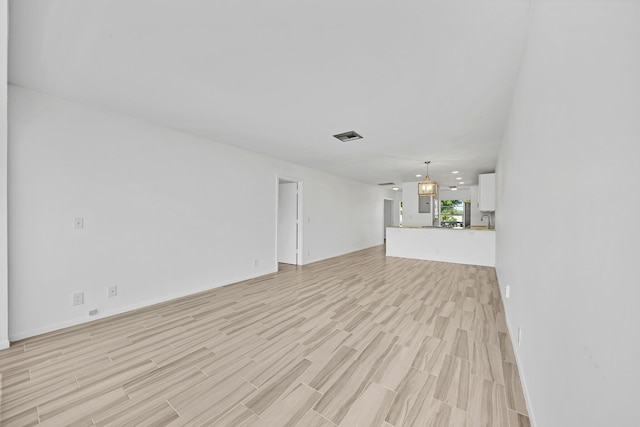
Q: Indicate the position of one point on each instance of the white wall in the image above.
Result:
(410, 214)
(165, 213)
(4, 297)
(411, 217)
(461, 194)
(572, 146)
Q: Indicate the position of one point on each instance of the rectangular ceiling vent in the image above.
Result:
(387, 183)
(348, 136)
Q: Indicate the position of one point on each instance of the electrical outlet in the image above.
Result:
(93, 312)
(507, 291)
(78, 299)
(519, 335)
(113, 291)
(78, 223)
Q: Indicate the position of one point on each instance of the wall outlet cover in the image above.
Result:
(78, 298)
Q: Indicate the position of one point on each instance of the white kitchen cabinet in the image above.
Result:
(487, 192)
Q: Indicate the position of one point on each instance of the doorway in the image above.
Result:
(289, 226)
(388, 216)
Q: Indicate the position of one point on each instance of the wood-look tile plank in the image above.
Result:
(14, 379)
(260, 373)
(330, 371)
(291, 408)
(338, 399)
(80, 408)
(165, 386)
(515, 394)
(395, 367)
(135, 408)
(325, 348)
(314, 419)
(461, 345)
(410, 405)
(506, 348)
(360, 338)
(487, 362)
(37, 394)
(518, 420)
(271, 391)
(370, 408)
(238, 416)
(209, 399)
(488, 406)
(439, 414)
(136, 413)
(430, 355)
(28, 417)
(453, 382)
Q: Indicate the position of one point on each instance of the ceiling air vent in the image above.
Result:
(348, 136)
(387, 183)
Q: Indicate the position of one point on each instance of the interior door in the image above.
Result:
(288, 222)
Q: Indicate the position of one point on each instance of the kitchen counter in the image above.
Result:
(472, 227)
(461, 246)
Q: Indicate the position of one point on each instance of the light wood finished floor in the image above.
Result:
(358, 340)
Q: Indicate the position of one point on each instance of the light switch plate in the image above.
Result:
(79, 223)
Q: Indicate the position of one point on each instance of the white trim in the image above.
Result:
(4, 344)
(514, 341)
(300, 259)
(344, 253)
(143, 304)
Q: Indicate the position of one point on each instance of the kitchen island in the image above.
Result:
(461, 246)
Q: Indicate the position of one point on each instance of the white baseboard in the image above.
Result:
(514, 340)
(350, 251)
(4, 344)
(143, 304)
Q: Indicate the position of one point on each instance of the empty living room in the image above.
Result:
(359, 213)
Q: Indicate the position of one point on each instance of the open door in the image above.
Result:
(388, 215)
(288, 224)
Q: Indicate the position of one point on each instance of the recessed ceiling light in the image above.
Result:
(348, 136)
(461, 182)
(395, 188)
(418, 175)
(459, 177)
(455, 172)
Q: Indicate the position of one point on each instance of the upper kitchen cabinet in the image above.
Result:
(487, 192)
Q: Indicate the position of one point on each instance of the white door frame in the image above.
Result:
(300, 222)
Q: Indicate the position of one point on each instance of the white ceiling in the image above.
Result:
(419, 79)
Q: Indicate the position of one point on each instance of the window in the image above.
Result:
(452, 213)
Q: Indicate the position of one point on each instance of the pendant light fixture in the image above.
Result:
(427, 187)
